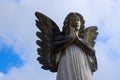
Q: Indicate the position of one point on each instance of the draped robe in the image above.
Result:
(73, 64)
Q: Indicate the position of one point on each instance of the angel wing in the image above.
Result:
(90, 35)
(48, 31)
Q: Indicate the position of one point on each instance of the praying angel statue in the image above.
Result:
(69, 52)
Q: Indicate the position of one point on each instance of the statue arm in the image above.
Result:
(90, 52)
(85, 46)
(62, 42)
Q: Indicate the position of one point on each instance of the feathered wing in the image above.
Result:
(90, 35)
(48, 31)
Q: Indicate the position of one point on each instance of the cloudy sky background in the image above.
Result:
(17, 35)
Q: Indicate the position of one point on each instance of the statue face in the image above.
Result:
(75, 22)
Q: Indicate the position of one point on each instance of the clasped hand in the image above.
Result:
(73, 33)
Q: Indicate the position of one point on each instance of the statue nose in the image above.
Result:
(74, 24)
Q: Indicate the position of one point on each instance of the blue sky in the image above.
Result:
(8, 58)
(17, 35)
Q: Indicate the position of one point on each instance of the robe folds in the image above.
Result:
(73, 64)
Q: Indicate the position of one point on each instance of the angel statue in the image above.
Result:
(69, 52)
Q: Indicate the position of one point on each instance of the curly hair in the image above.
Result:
(67, 20)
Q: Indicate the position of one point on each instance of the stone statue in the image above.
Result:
(69, 52)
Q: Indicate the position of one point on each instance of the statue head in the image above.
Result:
(74, 20)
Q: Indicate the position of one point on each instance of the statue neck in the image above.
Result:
(76, 32)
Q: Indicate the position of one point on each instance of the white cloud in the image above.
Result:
(108, 66)
(17, 28)
(31, 71)
(1, 75)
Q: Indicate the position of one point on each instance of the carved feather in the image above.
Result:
(90, 35)
(48, 31)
